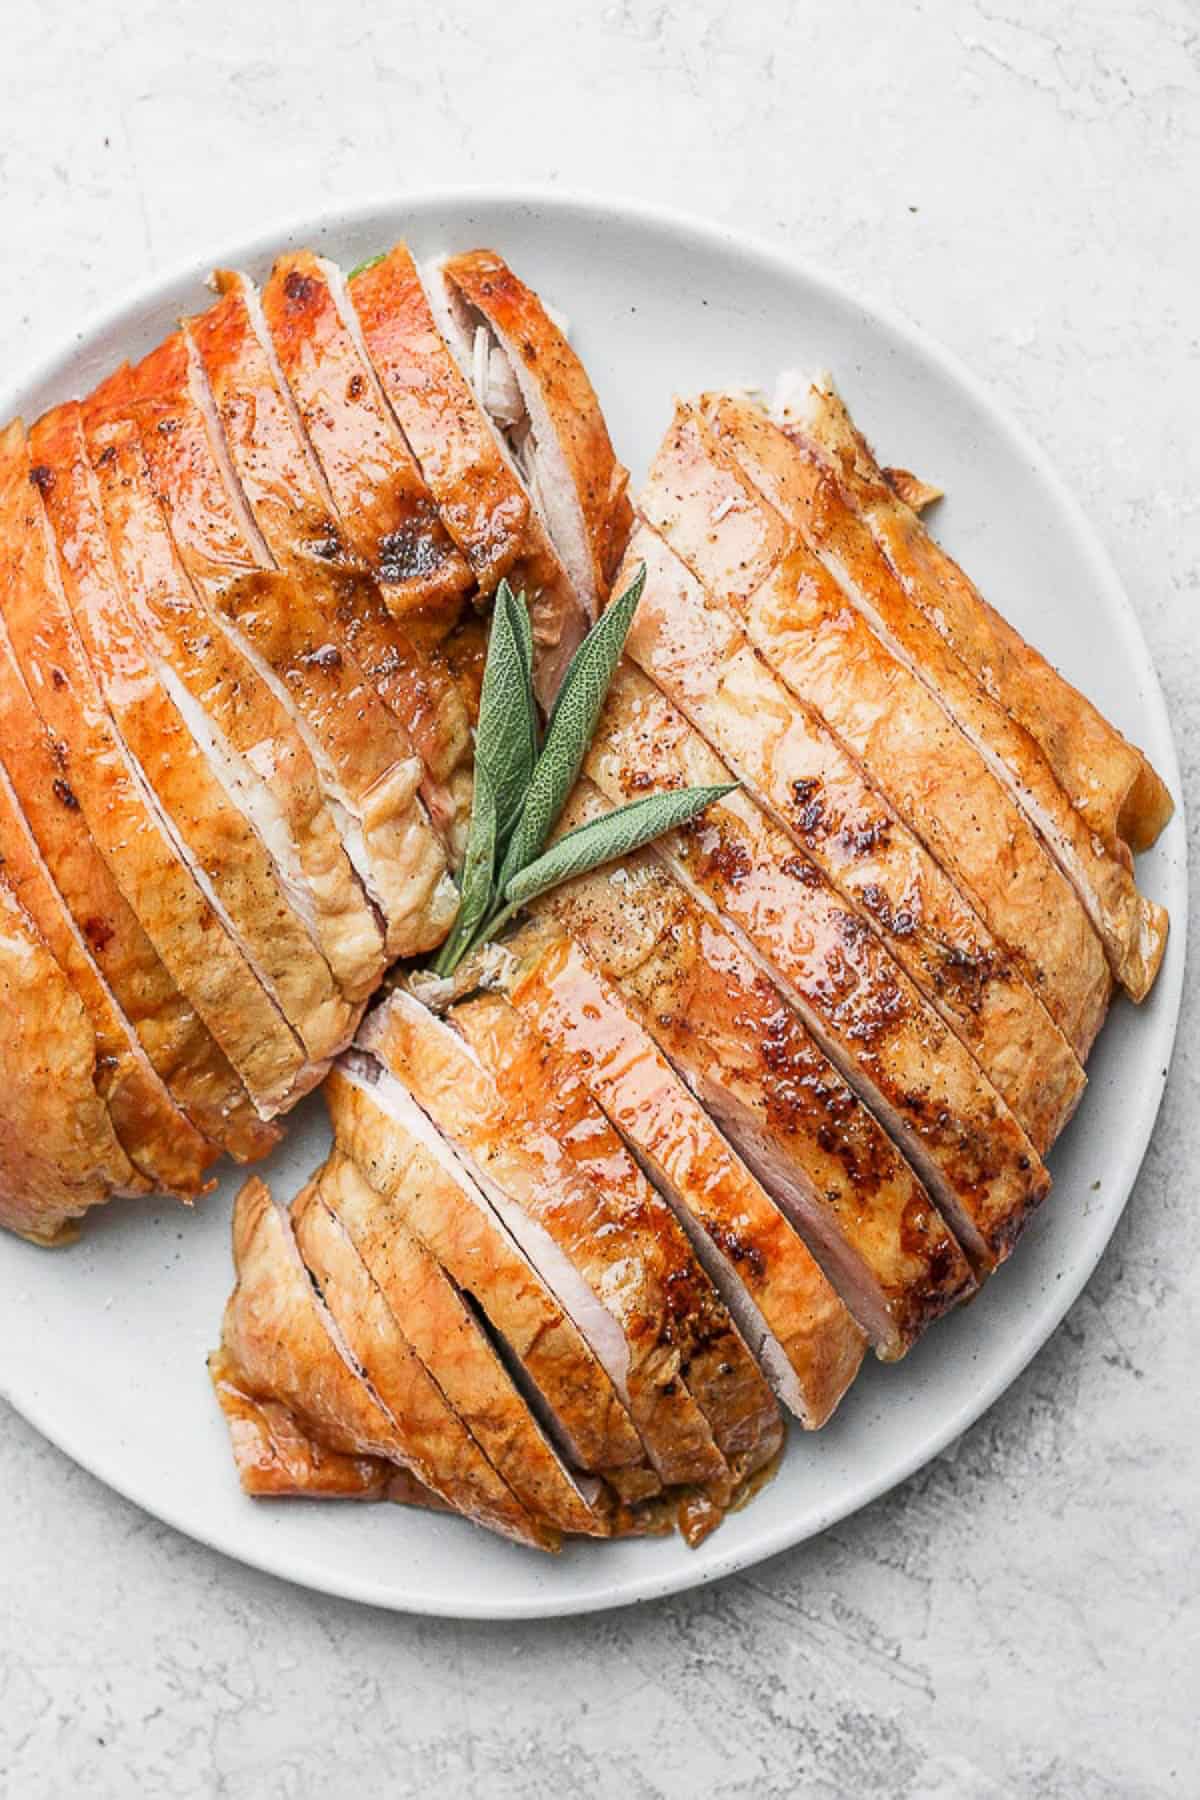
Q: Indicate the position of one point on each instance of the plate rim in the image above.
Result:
(152, 291)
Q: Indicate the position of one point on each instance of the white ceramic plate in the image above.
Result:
(103, 1346)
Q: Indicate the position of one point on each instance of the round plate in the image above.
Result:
(102, 1346)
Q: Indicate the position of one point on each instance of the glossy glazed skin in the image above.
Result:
(591, 516)
(478, 1254)
(152, 612)
(799, 620)
(559, 989)
(59, 1154)
(319, 700)
(1108, 779)
(744, 1052)
(481, 502)
(277, 1343)
(277, 1459)
(858, 997)
(185, 928)
(808, 490)
(301, 528)
(387, 511)
(626, 1319)
(709, 1388)
(437, 1446)
(445, 1334)
(798, 771)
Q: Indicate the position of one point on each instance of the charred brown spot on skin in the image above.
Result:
(739, 1252)
(861, 840)
(416, 549)
(65, 794)
(298, 288)
(58, 678)
(107, 455)
(42, 478)
(98, 932)
(810, 807)
(355, 388)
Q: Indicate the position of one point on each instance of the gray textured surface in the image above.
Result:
(1023, 1617)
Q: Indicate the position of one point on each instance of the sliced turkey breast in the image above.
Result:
(165, 1150)
(388, 512)
(439, 1449)
(169, 885)
(277, 1458)
(59, 1154)
(483, 506)
(348, 747)
(808, 1344)
(798, 620)
(446, 1335)
(255, 417)
(808, 488)
(578, 1243)
(889, 1043)
(106, 871)
(1108, 779)
(560, 437)
(746, 1055)
(696, 1342)
(428, 1189)
(798, 771)
(559, 614)
(281, 1342)
(223, 805)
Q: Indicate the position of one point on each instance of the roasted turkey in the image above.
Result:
(652, 1171)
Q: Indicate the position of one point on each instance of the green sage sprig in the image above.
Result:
(521, 789)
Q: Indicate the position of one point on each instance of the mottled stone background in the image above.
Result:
(1023, 180)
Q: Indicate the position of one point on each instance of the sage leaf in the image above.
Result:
(368, 262)
(612, 835)
(569, 732)
(525, 633)
(479, 867)
(506, 735)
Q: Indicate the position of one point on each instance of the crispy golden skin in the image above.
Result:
(872, 1019)
(386, 509)
(583, 485)
(1108, 779)
(300, 526)
(745, 1053)
(700, 1384)
(478, 1254)
(557, 986)
(58, 1151)
(808, 488)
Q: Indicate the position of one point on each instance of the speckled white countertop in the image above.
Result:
(1021, 178)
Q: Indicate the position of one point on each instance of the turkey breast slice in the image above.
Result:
(706, 1387)
(281, 1342)
(810, 788)
(558, 432)
(58, 1152)
(558, 613)
(435, 1317)
(107, 873)
(424, 1184)
(256, 419)
(387, 512)
(1108, 779)
(745, 1054)
(483, 505)
(785, 1308)
(254, 785)
(968, 1147)
(440, 1449)
(167, 883)
(798, 620)
(349, 748)
(873, 1023)
(1131, 928)
(556, 1217)
(276, 1457)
